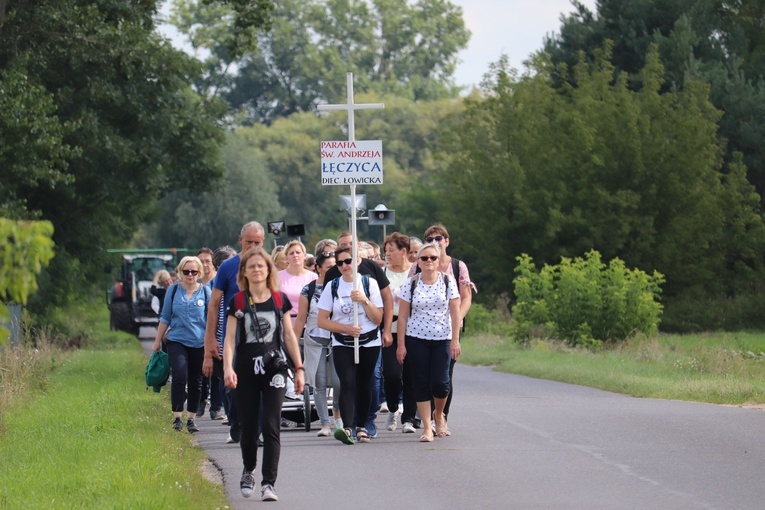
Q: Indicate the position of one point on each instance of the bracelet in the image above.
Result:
(299, 368)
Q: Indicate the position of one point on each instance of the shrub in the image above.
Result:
(495, 322)
(584, 302)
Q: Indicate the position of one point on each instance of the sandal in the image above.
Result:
(344, 436)
(442, 430)
(426, 438)
(362, 436)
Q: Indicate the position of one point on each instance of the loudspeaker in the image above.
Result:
(296, 230)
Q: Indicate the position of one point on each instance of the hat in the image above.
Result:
(158, 370)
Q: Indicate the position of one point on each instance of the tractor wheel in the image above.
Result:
(120, 317)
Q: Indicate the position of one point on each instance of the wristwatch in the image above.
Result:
(366, 302)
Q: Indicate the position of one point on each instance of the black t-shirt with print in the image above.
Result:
(260, 326)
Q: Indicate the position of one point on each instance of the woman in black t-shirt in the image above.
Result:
(261, 315)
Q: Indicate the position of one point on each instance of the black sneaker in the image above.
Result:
(235, 434)
(202, 408)
(191, 426)
(247, 483)
(178, 424)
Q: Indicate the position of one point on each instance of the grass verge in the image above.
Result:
(720, 368)
(95, 437)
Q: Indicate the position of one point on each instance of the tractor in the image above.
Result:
(129, 297)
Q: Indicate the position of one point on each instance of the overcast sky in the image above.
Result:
(513, 27)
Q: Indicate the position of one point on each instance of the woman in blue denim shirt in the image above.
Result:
(183, 318)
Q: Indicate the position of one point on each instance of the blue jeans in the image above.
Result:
(323, 379)
(374, 398)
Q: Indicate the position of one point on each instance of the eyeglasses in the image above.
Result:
(437, 239)
(432, 258)
(187, 272)
(346, 261)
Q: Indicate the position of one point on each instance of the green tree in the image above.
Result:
(106, 124)
(25, 249)
(410, 132)
(719, 42)
(214, 217)
(557, 171)
(392, 47)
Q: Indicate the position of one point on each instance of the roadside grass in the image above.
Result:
(89, 434)
(720, 368)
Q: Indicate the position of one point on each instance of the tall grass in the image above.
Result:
(723, 368)
(96, 438)
(78, 428)
(25, 369)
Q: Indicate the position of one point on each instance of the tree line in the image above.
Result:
(634, 131)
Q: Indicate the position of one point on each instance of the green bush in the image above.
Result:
(482, 320)
(584, 302)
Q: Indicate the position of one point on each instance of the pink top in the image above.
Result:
(292, 285)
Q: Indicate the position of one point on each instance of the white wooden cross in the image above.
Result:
(351, 108)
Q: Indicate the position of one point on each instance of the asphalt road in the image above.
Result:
(525, 443)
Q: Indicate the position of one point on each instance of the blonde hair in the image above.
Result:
(292, 244)
(258, 251)
(278, 255)
(429, 245)
(190, 258)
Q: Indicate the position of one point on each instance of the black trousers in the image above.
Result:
(430, 368)
(398, 381)
(252, 391)
(186, 368)
(355, 380)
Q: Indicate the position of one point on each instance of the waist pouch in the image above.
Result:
(364, 338)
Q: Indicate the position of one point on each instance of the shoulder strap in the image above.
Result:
(311, 291)
(413, 283)
(277, 296)
(208, 294)
(278, 304)
(172, 297)
(456, 269)
(239, 301)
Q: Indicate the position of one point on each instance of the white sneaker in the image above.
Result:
(338, 423)
(384, 408)
(288, 424)
(247, 484)
(324, 432)
(408, 428)
(267, 493)
(392, 422)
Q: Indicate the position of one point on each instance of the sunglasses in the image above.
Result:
(187, 272)
(437, 239)
(340, 263)
(432, 258)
